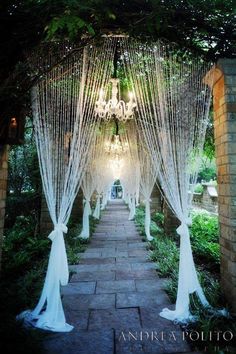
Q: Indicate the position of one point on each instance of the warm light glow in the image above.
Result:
(116, 147)
(115, 107)
(13, 123)
(131, 95)
(101, 93)
(116, 166)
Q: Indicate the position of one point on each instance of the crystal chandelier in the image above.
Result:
(115, 108)
(116, 147)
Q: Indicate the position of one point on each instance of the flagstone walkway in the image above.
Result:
(114, 298)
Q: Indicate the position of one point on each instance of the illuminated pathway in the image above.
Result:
(115, 291)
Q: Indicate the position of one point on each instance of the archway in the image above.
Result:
(69, 102)
(117, 190)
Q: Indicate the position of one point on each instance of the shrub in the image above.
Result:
(205, 226)
(166, 254)
(21, 248)
(205, 237)
(207, 173)
(25, 259)
(198, 188)
(140, 222)
(158, 218)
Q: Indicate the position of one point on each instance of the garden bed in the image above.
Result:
(206, 252)
(25, 258)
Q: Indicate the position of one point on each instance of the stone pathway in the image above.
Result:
(115, 297)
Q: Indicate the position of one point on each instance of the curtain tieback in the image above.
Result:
(58, 228)
(183, 228)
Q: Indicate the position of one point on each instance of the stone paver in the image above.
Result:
(94, 301)
(81, 342)
(136, 274)
(142, 299)
(115, 296)
(95, 275)
(150, 285)
(80, 287)
(117, 286)
(114, 318)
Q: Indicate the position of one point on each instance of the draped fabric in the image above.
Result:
(173, 108)
(172, 115)
(131, 177)
(63, 102)
(88, 186)
(147, 182)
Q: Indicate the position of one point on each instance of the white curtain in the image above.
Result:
(88, 187)
(63, 102)
(173, 107)
(147, 182)
(97, 210)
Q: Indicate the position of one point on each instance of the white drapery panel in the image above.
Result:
(147, 182)
(131, 169)
(101, 169)
(63, 102)
(173, 107)
(88, 186)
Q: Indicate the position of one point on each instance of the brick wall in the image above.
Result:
(3, 190)
(205, 200)
(224, 95)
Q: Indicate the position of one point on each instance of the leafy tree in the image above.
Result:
(23, 165)
(24, 182)
(205, 27)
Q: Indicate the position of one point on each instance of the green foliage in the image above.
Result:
(205, 237)
(25, 259)
(23, 168)
(208, 321)
(199, 27)
(166, 254)
(209, 144)
(68, 23)
(140, 219)
(206, 249)
(205, 226)
(207, 173)
(140, 222)
(171, 286)
(21, 247)
(198, 188)
(207, 170)
(24, 182)
(158, 218)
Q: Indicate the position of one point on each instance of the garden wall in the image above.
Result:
(208, 199)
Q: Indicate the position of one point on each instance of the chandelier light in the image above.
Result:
(115, 108)
(116, 147)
